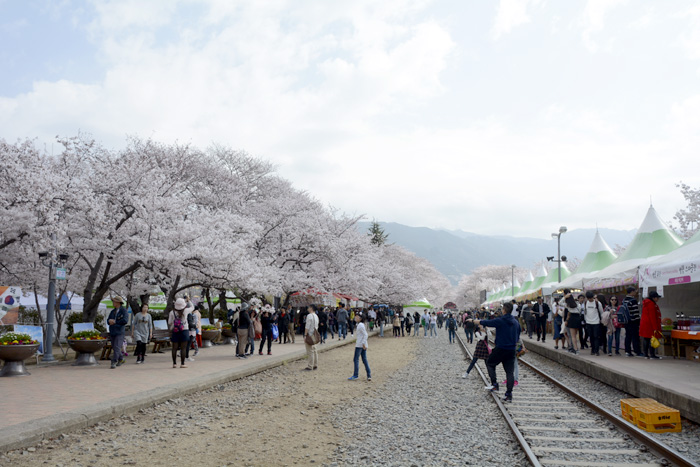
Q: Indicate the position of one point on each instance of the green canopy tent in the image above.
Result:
(653, 240)
(599, 256)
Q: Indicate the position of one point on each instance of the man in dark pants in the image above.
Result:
(632, 327)
(117, 321)
(507, 336)
(541, 311)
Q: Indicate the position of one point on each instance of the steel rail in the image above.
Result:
(658, 448)
(509, 420)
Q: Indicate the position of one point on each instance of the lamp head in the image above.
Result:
(555, 235)
(562, 229)
(43, 254)
(563, 258)
(63, 257)
(550, 258)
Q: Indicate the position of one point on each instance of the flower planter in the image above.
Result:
(14, 357)
(229, 336)
(208, 336)
(85, 350)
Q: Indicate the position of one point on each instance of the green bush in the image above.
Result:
(157, 314)
(29, 316)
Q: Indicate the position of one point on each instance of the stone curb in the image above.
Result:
(35, 431)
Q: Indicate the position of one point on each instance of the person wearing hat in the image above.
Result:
(180, 333)
(650, 324)
(117, 320)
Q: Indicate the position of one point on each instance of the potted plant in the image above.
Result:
(209, 333)
(227, 332)
(14, 350)
(85, 344)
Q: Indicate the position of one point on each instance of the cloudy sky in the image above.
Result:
(510, 117)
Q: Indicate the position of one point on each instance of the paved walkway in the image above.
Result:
(61, 397)
(674, 382)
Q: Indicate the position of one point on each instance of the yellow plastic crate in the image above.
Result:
(658, 419)
(629, 406)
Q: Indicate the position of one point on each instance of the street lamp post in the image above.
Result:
(562, 230)
(51, 259)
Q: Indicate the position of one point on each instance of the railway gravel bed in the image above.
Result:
(686, 442)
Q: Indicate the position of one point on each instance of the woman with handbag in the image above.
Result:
(650, 325)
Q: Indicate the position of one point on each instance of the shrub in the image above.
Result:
(77, 317)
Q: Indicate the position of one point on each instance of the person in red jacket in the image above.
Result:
(650, 324)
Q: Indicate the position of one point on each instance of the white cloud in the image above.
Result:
(594, 17)
(511, 13)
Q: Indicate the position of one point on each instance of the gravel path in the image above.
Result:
(685, 442)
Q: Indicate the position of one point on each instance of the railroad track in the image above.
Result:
(556, 425)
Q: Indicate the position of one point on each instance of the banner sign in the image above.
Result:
(681, 272)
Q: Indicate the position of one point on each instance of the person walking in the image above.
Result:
(572, 320)
(323, 324)
(409, 323)
(482, 349)
(468, 328)
(416, 323)
(360, 348)
(141, 332)
(451, 328)
(507, 336)
(179, 334)
(266, 334)
(396, 325)
(242, 328)
(283, 325)
(433, 325)
(612, 331)
(632, 327)
(310, 328)
(541, 311)
(342, 318)
(593, 315)
(117, 320)
(193, 321)
(650, 324)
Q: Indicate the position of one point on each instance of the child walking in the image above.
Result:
(481, 351)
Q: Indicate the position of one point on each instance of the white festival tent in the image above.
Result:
(526, 285)
(681, 266)
(599, 256)
(512, 291)
(551, 282)
(534, 288)
(653, 240)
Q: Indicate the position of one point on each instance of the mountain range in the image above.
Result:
(456, 253)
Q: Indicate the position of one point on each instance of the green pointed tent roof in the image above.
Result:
(539, 280)
(599, 256)
(526, 285)
(512, 290)
(653, 240)
(552, 278)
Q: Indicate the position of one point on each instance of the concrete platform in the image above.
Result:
(60, 398)
(673, 382)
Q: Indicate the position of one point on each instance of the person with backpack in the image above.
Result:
(342, 317)
(179, 333)
(629, 312)
(117, 320)
(451, 328)
(593, 312)
(482, 349)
